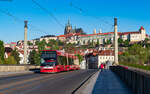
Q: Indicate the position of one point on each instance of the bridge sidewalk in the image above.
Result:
(109, 83)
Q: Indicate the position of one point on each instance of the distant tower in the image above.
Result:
(68, 28)
(25, 42)
(94, 32)
(143, 33)
(100, 30)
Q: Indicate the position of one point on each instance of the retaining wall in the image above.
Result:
(13, 68)
(136, 79)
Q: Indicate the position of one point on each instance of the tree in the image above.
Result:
(93, 43)
(10, 60)
(15, 54)
(29, 43)
(120, 41)
(31, 57)
(55, 44)
(1, 62)
(126, 43)
(60, 43)
(146, 39)
(34, 58)
(142, 53)
(80, 57)
(37, 42)
(37, 58)
(2, 50)
(41, 45)
(97, 42)
(135, 54)
(107, 42)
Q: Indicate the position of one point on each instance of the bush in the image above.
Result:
(1, 62)
(10, 60)
(15, 54)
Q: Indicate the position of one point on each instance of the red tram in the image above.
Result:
(53, 61)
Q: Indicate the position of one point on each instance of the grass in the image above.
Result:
(136, 66)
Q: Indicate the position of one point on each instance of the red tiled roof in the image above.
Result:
(108, 52)
(142, 28)
(13, 43)
(119, 33)
(70, 35)
(61, 36)
(126, 33)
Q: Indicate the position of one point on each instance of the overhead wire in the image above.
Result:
(85, 12)
(20, 21)
(49, 13)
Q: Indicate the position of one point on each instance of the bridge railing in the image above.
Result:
(13, 68)
(138, 81)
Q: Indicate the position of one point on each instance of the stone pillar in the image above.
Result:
(116, 41)
(25, 42)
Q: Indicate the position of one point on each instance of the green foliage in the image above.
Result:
(136, 54)
(34, 58)
(29, 43)
(136, 66)
(15, 54)
(60, 43)
(97, 42)
(54, 44)
(146, 39)
(120, 41)
(37, 42)
(80, 57)
(107, 42)
(126, 43)
(1, 62)
(10, 60)
(41, 45)
(37, 59)
(2, 50)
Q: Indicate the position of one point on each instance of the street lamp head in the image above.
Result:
(25, 22)
(115, 22)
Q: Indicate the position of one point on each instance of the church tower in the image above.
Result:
(68, 28)
(143, 33)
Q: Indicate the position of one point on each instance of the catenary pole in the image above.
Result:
(25, 42)
(116, 41)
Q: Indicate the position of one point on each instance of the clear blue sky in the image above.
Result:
(97, 14)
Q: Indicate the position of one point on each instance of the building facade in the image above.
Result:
(103, 37)
(105, 56)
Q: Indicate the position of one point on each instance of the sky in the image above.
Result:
(87, 14)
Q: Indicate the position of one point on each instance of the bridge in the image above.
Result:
(116, 80)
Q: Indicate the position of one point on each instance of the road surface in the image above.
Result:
(59, 83)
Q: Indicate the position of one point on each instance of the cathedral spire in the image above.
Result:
(68, 23)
